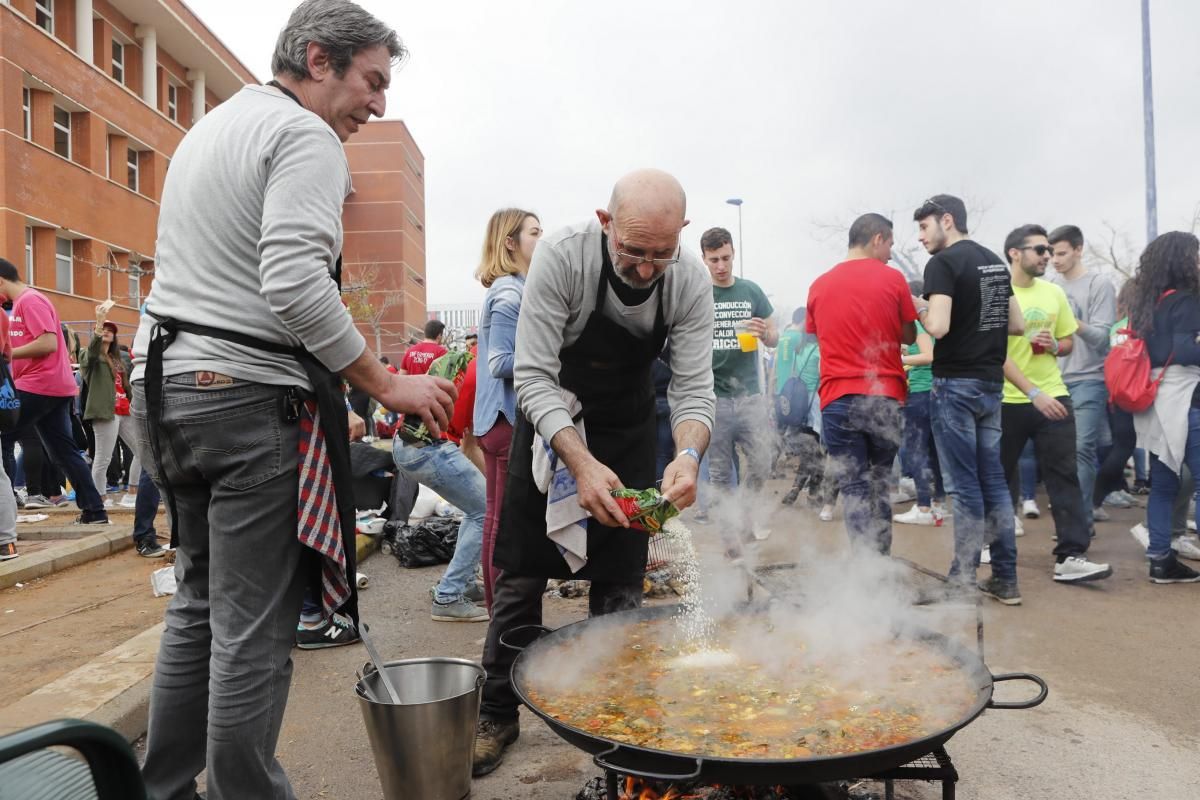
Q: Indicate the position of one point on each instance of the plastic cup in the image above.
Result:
(746, 340)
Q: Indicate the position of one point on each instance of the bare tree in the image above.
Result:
(367, 304)
(1114, 251)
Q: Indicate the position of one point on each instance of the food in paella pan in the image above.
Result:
(776, 700)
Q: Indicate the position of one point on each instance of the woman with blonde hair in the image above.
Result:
(508, 246)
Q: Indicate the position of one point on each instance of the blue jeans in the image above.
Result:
(966, 427)
(862, 435)
(1028, 467)
(1090, 400)
(51, 418)
(146, 508)
(1164, 486)
(920, 452)
(443, 468)
(665, 450)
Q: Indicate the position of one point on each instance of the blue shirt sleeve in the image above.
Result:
(502, 338)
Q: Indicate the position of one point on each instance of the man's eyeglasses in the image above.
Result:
(1040, 249)
(635, 260)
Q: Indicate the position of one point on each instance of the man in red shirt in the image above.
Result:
(417, 359)
(862, 312)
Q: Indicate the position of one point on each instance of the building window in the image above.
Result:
(29, 255)
(118, 63)
(63, 266)
(172, 102)
(26, 105)
(131, 161)
(62, 132)
(44, 16)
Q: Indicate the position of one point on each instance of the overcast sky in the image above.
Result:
(812, 112)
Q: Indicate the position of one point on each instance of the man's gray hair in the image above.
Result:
(341, 27)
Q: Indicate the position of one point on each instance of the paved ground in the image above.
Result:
(1119, 657)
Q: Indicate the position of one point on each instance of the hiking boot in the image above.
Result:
(1074, 569)
(459, 610)
(915, 516)
(149, 548)
(333, 632)
(492, 738)
(1168, 570)
(1030, 509)
(474, 592)
(8, 551)
(37, 501)
(1005, 592)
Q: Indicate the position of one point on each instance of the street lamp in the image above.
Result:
(737, 201)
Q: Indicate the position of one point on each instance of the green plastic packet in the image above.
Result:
(646, 509)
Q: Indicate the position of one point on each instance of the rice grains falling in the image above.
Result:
(697, 626)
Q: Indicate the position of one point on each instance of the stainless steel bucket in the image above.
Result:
(423, 747)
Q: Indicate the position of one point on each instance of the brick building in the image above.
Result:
(95, 95)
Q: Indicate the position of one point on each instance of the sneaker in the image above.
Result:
(1075, 569)
(791, 496)
(1118, 499)
(1168, 570)
(8, 551)
(1140, 487)
(20, 500)
(37, 501)
(1186, 547)
(1005, 592)
(1142, 534)
(1030, 509)
(333, 632)
(1018, 528)
(492, 738)
(985, 556)
(112, 489)
(108, 503)
(826, 514)
(460, 610)
(128, 501)
(85, 519)
(63, 499)
(1100, 515)
(149, 548)
(1191, 524)
(474, 592)
(915, 516)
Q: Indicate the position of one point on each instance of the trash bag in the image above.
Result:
(429, 542)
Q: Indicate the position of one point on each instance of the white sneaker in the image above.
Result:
(986, 556)
(108, 503)
(1142, 534)
(1100, 515)
(1191, 524)
(1020, 529)
(915, 516)
(1186, 547)
(903, 494)
(1030, 509)
(129, 501)
(826, 514)
(1077, 568)
(1118, 499)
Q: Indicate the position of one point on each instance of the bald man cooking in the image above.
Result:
(600, 300)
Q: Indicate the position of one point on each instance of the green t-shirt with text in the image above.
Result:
(794, 356)
(735, 373)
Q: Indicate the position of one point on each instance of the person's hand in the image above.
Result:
(756, 326)
(1045, 341)
(679, 481)
(431, 399)
(358, 428)
(1051, 409)
(594, 482)
(102, 312)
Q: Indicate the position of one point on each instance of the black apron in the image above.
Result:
(608, 369)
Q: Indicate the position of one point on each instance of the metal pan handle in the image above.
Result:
(605, 761)
(542, 630)
(1020, 676)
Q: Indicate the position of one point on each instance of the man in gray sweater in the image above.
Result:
(600, 300)
(244, 326)
(1093, 300)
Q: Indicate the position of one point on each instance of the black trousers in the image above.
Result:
(1111, 475)
(1054, 443)
(516, 601)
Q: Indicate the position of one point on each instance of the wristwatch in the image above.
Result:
(689, 451)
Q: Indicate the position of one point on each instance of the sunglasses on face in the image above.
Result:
(1040, 249)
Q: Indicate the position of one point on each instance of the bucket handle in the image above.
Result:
(1044, 690)
(504, 637)
(608, 763)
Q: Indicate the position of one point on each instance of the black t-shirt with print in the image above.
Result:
(979, 285)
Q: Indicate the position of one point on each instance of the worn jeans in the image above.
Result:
(746, 422)
(8, 510)
(1164, 486)
(224, 665)
(518, 601)
(51, 418)
(1054, 443)
(862, 436)
(146, 509)
(920, 452)
(443, 468)
(107, 433)
(495, 444)
(1090, 401)
(966, 427)
(1111, 475)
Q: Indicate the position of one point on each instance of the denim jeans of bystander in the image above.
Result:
(862, 436)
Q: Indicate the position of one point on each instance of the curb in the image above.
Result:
(64, 556)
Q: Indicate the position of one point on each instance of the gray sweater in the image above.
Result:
(1093, 300)
(560, 294)
(249, 230)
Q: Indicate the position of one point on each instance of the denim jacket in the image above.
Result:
(494, 392)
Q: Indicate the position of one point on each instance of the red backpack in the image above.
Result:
(1127, 372)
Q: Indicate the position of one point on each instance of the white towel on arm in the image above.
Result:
(1163, 428)
(566, 520)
